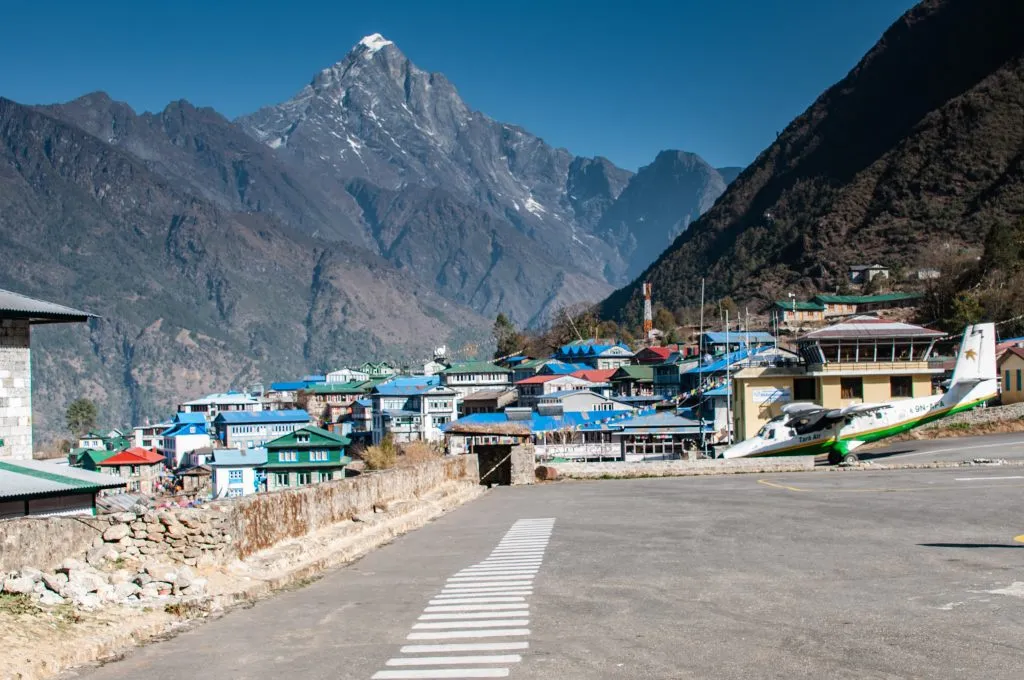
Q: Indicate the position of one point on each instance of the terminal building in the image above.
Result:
(861, 360)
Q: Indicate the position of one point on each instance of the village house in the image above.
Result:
(657, 436)
(283, 396)
(1011, 368)
(471, 376)
(309, 455)
(720, 342)
(359, 423)
(533, 388)
(93, 440)
(89, 459)
(653, 355)
(488, 401)
(41, 489)
(149, 436)
(595, 353)
(247, 430)
(18, 313)
(527, 368)
(577, 401)
(667, 375)
(140, 469)
(795, 313)
(633, 381)
(846, 305)
(556, 367)
(864, 273)
(236, 472)
(412, 409)
(378, 370)
(212, 404)
(188, 432)
(861, 360)
(329, 402)
(347, 375)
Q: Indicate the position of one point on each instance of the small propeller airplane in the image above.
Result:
(806, 429)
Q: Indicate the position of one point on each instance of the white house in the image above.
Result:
(248, 430)
(412, 409)
(533, 388)
(345, 375)
(569, 401)
(472, 376)
(212, 404)
(233, 472)
(148, 436)
(187, 433)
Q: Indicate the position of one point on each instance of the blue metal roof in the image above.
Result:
(189, 417)
(722, 391)
(739, 337)
(365, 403)
(236, 457)
(728, 359)
(589, 348)
(184, 429)
(246, 417)
(563, 368)
(407, 387)
(575, 420)
(287, 386)
(314, 378)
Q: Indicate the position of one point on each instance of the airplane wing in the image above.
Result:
(802, 409)
(854, 410)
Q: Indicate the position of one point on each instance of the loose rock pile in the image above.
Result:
(87, 587)
(184, 536)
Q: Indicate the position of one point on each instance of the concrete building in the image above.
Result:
(41, 489)
(472, 376)
(863, 273)
(488, 401)
(1011, 368)
(345, 375)
(847, 305)
(862, 360)
(249, 430)
(796, 313)
(149, 436)
(212, 404)
(578, 401)
(596, 353)
(18, 313)
(235, 472)
(533, 388)
(412, 409)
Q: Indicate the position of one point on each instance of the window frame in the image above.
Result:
(851, 387)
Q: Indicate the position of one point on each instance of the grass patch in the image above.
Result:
(17, 603)
(185, 610)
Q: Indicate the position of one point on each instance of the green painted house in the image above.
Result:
(90, 459)
(308, 455)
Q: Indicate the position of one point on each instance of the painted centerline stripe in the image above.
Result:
(442, 660)
(465, 647)
(456, 634)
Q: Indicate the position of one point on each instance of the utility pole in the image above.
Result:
(728, 384)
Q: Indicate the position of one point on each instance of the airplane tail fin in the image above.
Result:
(976, 361)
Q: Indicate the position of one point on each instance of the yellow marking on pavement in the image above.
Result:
(1019, 539)
(778, 486)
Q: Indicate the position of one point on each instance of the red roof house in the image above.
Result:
(139, 467)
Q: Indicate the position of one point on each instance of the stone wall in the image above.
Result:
(683, 468)
(524, 462)
(15, 389)
(45, 542)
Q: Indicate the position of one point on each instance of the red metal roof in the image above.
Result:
(1014, 350)
(537, 379)
(134, 456)
(595, 375)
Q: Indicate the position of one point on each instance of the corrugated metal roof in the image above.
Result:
(227, 457)
(869, 327)
(739, 337)
(34, 477)
(18, 306)
(246, 417)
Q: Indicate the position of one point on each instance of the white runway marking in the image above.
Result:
(485, 601)
(985, 479)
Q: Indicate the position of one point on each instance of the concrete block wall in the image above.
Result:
(15, 389)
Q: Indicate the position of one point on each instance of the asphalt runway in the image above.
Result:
(1008, 447)
(828, 574)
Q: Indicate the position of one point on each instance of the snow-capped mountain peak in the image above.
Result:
(372, 44)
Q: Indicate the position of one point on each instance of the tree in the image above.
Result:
(664, 320)
(507, 339)
(81, 416)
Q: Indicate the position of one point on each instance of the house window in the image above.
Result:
(851, 388)
(281, 479)
(1018, 380)
(601, 407)
(134, 470)
(288, 456)
(1006, 379)
(234, 493)
(901, 386)
(805, 389)
(234, 476)
(302, 438)
(302, 478)
(326, 476)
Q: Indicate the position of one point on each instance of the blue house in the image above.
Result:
(188, 432)
(596, 353)
(250, 429)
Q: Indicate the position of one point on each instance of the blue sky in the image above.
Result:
(612, 78)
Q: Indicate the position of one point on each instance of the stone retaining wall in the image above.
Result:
(684, 468)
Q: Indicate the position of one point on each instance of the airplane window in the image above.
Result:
(771, 434)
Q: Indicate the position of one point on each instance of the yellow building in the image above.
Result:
(862, 360)
(1011, 368)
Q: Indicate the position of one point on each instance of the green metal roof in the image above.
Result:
(24, 478)
(476, 367)
(97, 456)
(318, 437)
(865, 299)
(351, 387)
(641, 373)
(789, 305)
